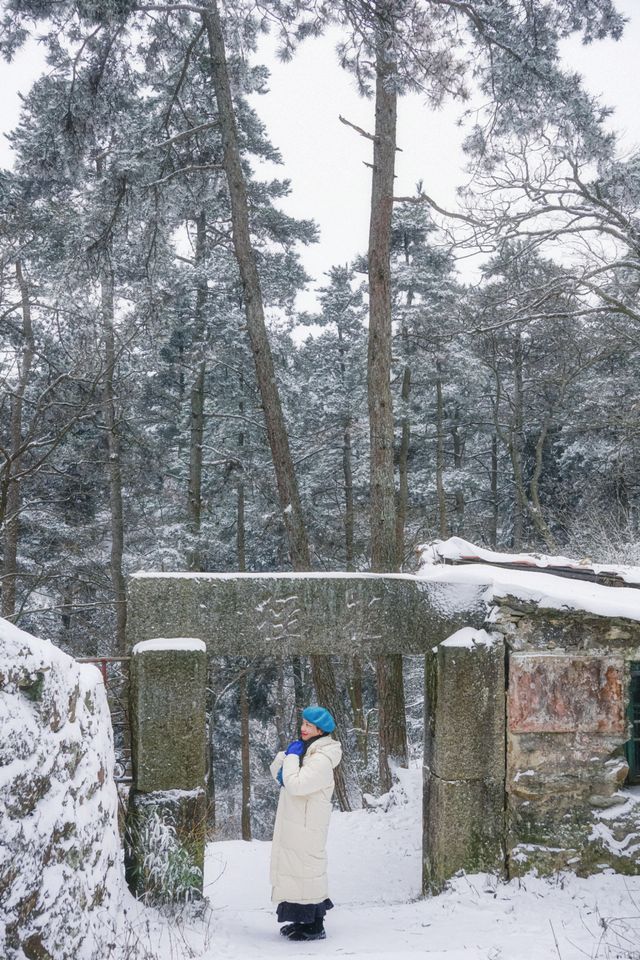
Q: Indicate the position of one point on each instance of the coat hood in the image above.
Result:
(329, 747)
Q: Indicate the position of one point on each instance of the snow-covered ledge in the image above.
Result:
(170, 643)
(546, 582)
(61, 874)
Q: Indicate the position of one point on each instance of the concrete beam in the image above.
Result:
(299, 614)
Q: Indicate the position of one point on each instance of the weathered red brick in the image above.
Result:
(565, 694)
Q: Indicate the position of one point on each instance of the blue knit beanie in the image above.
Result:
(320, 718)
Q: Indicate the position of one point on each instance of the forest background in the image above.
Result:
(159, 407)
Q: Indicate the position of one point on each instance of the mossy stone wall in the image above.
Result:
(567, 805)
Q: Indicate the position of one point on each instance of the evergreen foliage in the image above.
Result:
(132, 433)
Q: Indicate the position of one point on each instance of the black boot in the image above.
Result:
(289, 928)
(309, 931)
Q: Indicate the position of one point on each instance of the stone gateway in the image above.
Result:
(527, 694)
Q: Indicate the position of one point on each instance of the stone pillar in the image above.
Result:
(464, 764)
(166, 822)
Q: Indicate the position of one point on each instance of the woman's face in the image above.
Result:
(308, 730)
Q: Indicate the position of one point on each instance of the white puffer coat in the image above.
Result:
(298, 851)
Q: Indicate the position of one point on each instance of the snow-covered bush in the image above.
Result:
(61, 875)
(168, 873)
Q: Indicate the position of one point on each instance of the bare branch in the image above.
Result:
(363, 133)
(172, 8)
(192, 168)
(423, 198)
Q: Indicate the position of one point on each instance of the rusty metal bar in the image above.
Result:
(605, 578)
(103, 659)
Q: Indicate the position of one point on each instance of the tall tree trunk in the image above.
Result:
(11, 482)
(240, 526)
(252, 295)
(346, 774)
(114, 452)
(357, 707)
(66, 608)
(458, 462)
(347, 470)
(493, 530)
(246, 759)
(281, 707)
(240, 532)
(403, 471)
(299, 683)
(515, 447)
(347, 466)
(211, 755)
(381, 427)
(354, 669)
(194, 505)
(443, 527)
(534, 506)
(288, 495)
(243, 683)
(392, 732)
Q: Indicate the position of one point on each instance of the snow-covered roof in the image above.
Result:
(456, 550)
(457, 562)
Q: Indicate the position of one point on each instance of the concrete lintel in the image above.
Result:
(299, 613)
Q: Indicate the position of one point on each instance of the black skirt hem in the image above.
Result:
(302, 912)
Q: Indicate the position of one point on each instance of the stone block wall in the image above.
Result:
(61, 875)
(568, 681)
(524, 727)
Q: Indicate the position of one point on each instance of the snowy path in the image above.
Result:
(478, 918)
(374, 869)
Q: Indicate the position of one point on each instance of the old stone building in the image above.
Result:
(570, 648)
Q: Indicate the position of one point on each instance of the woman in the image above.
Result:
(298, 855)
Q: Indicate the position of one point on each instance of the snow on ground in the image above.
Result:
(374, 872)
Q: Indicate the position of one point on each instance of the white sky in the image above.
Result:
(325, 160)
